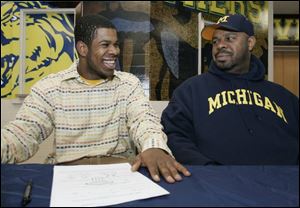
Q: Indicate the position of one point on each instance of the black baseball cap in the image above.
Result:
(232, 22)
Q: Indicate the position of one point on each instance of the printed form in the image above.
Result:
(100, 185)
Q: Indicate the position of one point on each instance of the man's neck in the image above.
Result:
(240, 69)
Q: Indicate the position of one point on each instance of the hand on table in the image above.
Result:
(159, 162)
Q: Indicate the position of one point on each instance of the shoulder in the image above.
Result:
(283, 96)
(194, 82)
(127, 78)
(52, 81)
(279, 89)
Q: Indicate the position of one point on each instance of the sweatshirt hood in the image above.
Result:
(255, 73)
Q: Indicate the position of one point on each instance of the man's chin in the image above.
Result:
(108, 74)
(224, 65)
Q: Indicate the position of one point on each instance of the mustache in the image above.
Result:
(224, 51)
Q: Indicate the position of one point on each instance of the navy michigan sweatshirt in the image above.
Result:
(222, 118)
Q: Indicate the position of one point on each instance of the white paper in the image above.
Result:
(100, 185)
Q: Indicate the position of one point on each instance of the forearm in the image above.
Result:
(146, 132)
(143, 123)
(15, 146)
(33, 124)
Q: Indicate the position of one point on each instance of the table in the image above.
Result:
(208, 186)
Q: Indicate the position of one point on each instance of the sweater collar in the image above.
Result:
(72, 73)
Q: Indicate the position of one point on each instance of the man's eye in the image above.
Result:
(231, 38)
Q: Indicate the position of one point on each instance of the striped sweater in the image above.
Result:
(110, 119)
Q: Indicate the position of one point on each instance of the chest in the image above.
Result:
(92, 105)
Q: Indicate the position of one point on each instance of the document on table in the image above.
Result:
(100, 185)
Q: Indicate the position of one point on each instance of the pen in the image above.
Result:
(27, 193)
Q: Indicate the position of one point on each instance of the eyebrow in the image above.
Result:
(108, 41)
(105, 41)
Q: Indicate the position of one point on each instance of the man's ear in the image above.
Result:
(251, 42)
(82, 48)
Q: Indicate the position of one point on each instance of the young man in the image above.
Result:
(231, 115)
(97, 114)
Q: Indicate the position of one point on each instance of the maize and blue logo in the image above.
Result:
(49, 45)
(223, 19)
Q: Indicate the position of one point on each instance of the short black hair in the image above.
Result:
(86, 26)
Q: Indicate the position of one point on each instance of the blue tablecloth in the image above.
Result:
(208, 186)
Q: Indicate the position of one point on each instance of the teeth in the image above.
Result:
(110, 62)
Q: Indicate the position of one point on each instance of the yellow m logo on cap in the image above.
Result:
(222, 19)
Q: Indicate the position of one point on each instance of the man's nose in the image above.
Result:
(114, 50)
(221, 44)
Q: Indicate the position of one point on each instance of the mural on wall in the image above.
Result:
(173, 48)
(49, 44)
(159, 39)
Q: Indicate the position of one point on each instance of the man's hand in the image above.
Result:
(157, 161)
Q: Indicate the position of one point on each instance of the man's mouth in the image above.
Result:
(110, 63)
(222, 56)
